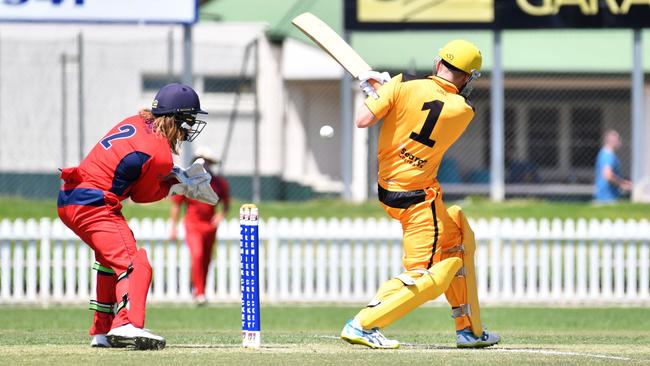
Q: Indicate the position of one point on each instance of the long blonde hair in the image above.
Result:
(166, 127)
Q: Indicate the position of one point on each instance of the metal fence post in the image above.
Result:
(188, 79)
(256, 184)
(638, 116)
(497, 181)
(80, 93)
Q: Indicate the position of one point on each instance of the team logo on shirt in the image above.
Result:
(412, 159)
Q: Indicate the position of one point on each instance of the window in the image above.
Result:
(511, 125)
(543, 123)
(227, 84)
(510, 132)
(586, 127)
(152, 83)
(487, 147)
(211, 84)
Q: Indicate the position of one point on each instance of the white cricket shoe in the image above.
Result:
(354, 334)
(100, 340)
(141, 339)
(200, 300)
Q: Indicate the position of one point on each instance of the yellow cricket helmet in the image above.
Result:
(462, 55)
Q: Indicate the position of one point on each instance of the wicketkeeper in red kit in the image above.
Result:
(133, 160)
(201, 222)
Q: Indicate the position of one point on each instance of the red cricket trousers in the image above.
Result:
(200, 237)
(106, 231)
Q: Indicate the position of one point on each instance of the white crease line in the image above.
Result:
(328, 337)
(509, 350)
(560, 353)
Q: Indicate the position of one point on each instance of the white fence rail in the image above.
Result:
(344, 261)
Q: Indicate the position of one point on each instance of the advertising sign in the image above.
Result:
(99, 11)
(573, 14)
(495, 14)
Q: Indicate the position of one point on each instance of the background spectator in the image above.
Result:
(609, 183)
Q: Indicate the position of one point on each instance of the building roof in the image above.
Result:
(276, 13)
(597, 50)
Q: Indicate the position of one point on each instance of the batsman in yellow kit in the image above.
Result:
(423, 117)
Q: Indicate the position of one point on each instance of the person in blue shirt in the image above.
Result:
(609, 183)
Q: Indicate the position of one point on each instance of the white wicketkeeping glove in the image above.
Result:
(194, 182)
(366, 86)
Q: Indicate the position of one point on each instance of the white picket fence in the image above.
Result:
(545, 261)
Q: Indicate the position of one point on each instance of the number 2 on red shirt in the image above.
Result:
(126, 131)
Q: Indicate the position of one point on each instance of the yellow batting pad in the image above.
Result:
(428, 287)
(467, 292)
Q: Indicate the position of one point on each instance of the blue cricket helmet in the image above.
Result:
(182, 102)
(176, 98)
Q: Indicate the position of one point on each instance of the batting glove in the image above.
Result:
(380, 77)
(366, 85)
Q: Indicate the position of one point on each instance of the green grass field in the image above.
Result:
(307, 335)
(15, 207)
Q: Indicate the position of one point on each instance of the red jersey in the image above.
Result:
(129, 161)
(198, 211)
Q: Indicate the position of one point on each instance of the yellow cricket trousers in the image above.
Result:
(428, 231)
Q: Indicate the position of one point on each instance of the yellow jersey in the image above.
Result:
(423, 117)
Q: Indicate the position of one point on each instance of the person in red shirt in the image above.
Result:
(133, 160)
(201, 223)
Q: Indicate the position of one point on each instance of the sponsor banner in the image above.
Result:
(495, 14)
(99, 11)
(573, 14)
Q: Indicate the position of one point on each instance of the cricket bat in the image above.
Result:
(329, 41)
